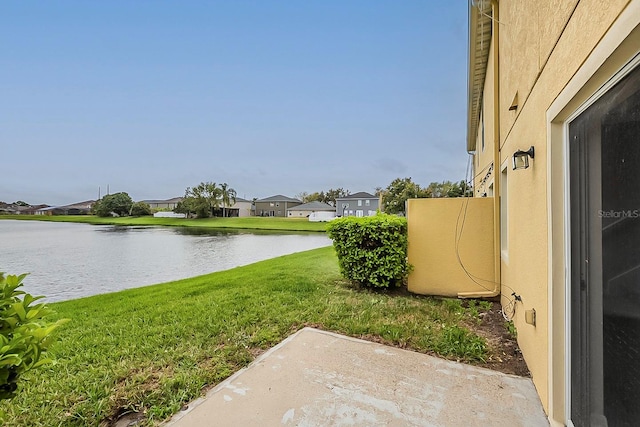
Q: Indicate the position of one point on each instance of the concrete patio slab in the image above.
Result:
(317, 378)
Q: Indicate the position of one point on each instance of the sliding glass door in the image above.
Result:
(605, 258)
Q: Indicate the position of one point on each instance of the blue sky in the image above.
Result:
(272, 97)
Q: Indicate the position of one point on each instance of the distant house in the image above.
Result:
(31, 210)
(19, 209)
(80, 208)
(170, 204)
(241, 208)
(358, 204)
(309, 209)
(275, 205)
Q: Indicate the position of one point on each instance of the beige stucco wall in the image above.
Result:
(540, 50)
(438, 245)
(531, 31)
(244, 209)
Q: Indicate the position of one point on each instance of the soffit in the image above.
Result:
(479, 42)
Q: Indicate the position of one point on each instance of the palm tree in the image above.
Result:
(228, 197)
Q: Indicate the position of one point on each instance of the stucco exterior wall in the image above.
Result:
(531, 32)
(244, 209)
(441, 249)
(541, 47)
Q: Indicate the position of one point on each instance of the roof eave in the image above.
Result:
(479, 42)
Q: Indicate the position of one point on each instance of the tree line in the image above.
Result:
(329, 197)
(209, 199)
(395, 195)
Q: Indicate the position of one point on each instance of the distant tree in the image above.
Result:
(21, 203)
(331, 195)
(315, 197)
(186, 206)
(206, 198)
(328, 197)
(228, 196)
(459, 189)
(118, 203)
(395, 196)
(448, 189)
(438, 189)
(305, 197)
(140, 209)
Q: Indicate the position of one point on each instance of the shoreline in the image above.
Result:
(245, 223)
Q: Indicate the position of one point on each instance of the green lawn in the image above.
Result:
(152, 349)
(253, 223)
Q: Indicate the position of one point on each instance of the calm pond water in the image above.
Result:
(68, 261)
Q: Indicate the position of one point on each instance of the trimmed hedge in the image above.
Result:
(372, 251)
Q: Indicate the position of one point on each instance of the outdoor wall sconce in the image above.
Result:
(521, 158)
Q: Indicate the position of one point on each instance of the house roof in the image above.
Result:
(80, 205)
(480, 23)
(360, 195)
(278, 198)
(14, 208)
(313, 206)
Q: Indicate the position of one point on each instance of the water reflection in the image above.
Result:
(69, 261)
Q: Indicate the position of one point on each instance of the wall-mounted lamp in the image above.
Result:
(521, 158)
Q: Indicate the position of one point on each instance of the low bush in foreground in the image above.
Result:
(24, 335)
(372, 251)
(151, 350)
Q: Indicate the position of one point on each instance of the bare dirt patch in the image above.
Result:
(504, 353)
(129, 388)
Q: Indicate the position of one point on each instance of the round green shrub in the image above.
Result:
(372, 251)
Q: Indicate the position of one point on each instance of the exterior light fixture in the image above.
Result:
(521, 158)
